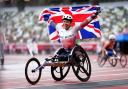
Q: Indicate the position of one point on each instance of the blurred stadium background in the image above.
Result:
(19, 22)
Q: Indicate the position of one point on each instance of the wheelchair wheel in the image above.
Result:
(32, 76)
(100, 59)
(112, 61)
(59, 73)
(82, 67)
(123, 60)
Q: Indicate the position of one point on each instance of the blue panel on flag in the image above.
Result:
(46, 17)
(91, 9)
(86, 34)
(78, 7)
(51, 28)
(55, 9)
(96, 24)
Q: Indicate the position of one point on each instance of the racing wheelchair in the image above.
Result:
(103, 57)
(60, 64)
(120, 54)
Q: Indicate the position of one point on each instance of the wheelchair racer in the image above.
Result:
(108, 47)
(67, 32)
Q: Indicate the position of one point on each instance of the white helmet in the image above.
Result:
(67, 17)
(112, 36)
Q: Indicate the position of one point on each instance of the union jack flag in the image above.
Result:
(79, 13)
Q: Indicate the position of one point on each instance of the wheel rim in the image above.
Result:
(112, 61)
(100, 60)
(83, 69)
(32, 77)
(59, 73)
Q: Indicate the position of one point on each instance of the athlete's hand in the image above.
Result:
(98, 10)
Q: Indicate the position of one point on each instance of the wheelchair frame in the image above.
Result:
(77, 58)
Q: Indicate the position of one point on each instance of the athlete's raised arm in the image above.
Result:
(89, 19)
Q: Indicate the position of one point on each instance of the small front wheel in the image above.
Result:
(32, 75)
(112, 61)
(101, 60)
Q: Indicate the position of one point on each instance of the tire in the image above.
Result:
(123, 60)
(29, 77)
(59, 73)
(112, 61)
(82, 69)
(100, 59)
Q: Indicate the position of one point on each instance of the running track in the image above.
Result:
(12, 76)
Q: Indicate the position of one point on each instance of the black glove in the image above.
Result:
(97, 12)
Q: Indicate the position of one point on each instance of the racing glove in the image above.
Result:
(97, 12)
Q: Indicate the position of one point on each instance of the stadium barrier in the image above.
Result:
(43, 47)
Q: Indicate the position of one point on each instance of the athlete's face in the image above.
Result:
(66, 24)
(112, 40)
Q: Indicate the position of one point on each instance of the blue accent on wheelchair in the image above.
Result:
(110, 53)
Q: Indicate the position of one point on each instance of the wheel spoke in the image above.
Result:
(61, 72)
(101, 60)
(83, 68)
(77, 70)
(85, 71)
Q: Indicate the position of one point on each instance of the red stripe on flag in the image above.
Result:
(90, 26)
(76, 18)
(96, 30)
(48, 11)
(57, 19)
(55, 38)
(66, 10)
(41, 18)
(80, 17)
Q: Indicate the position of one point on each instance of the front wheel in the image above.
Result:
(112, 61)
(32, 76)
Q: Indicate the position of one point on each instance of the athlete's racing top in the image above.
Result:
(68, 37)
